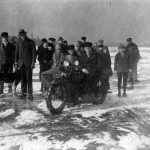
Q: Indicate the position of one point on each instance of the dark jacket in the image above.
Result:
(93, 64)
(25, 52)
(7, 55)
(122, 63)
(133, 51)
(45, 56)
(105, 57)
(39, 49)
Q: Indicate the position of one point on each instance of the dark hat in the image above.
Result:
(50, 45)
(129, 39)
(70, 47)
(4, 34)
(121, 46)
(54, 39)
(22, 31)
(83, 38)
(60, 39)
(51, 39)
(101, 41)
(43, 40)
(65, 41)
(87, 44)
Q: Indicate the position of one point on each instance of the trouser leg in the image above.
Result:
(9, 87)
(40, 74)
(134, 72)
(119, 74)
(29, 80)
(125, 77)
(1, 87)
(23, 80)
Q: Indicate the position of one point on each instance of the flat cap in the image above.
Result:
(83, 38)
(4, 34)
(87, 44)
(60, 39)
(43, 40)
(70, 47)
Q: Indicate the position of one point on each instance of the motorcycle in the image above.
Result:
(68, 87)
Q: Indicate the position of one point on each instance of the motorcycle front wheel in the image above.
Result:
(101, 98)
(56, 99)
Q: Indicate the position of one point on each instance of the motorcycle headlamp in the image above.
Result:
(76, 63)
(66, 63)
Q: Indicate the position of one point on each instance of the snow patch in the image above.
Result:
(6, 113)
(28, 117)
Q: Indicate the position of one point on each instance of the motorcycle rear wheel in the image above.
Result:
(56, 99)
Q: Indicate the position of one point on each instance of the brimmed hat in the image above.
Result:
(22, 31)
(87, 44)
(4, 34)
(83, 38)
(51, 39)
(129, 39)
(43, 40)
(70, 47)
(60, 39)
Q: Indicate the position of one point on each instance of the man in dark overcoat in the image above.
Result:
(105, 56)
(133, 51)
(25, 57)
(7, 53)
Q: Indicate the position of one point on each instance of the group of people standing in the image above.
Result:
(52, 52)
(125, 65)
(21, 56)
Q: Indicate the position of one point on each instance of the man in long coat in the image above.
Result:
(133, 51)
(7, 53)
(25, 57)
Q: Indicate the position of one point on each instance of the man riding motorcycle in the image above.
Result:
(92, 67)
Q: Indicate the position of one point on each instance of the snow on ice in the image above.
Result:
(117, 124)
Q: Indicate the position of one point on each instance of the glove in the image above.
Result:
(45, 62)
(115, 72)
(85, 71)
(130, 70)
(16, 66)
(32, 65)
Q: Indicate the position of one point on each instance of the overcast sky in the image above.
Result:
(112, 20)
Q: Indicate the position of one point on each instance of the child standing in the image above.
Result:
(121, 66)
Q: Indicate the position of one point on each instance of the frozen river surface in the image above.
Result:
(118, 124)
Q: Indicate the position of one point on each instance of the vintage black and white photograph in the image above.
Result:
(74, 74)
